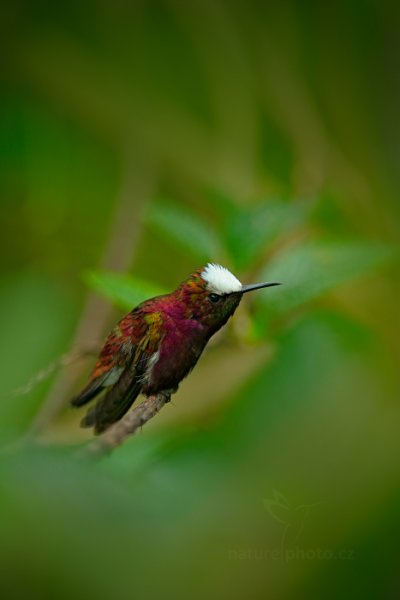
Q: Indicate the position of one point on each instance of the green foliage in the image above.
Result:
(316, 267)
(125, 291)
(32, 333)
(250, 232)
(308, 269)
(234, 112)
(184, 229)
(109, 521)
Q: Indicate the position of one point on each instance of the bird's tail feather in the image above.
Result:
(115, 403)
(90, 391)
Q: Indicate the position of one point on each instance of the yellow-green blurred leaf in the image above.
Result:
(125, 291)
(249, 232)
(185, 230)
(310, 270)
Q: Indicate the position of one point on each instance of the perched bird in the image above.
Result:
(159, 342)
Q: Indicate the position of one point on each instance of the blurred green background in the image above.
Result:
(138, 141)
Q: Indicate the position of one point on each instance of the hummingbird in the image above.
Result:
(159, 342)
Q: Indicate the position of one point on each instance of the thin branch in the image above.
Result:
(62, 361)
(127, 426)
(137, 186)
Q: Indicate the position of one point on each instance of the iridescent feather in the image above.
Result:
(157, 344)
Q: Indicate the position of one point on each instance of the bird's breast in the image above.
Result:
(179, 351)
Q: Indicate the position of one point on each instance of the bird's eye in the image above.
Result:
(214, 298)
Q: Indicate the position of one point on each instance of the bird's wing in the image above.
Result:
(113, 358)
(121, 367)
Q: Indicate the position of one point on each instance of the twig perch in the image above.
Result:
(64, 360)
(137, 182)
(127, 426)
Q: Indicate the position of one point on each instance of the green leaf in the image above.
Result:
(185, 230)
(220, 202)
(125, 291)
(310, 270)
(249, 232)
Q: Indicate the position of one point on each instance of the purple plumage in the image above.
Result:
(157, 344)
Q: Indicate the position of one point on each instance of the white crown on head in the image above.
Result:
(220, 280)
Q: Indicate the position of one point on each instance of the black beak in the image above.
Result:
(256, 286)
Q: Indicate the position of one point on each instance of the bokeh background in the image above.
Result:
(138, 141)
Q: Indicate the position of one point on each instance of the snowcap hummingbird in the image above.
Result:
(159, 342)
